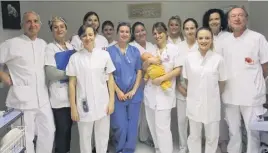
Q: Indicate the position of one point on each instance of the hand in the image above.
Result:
(182, 90)
(110, 108)
(74, 114)
(157, 81)
(121, 96)
(4, 77)
(154, 60)
(130, 94)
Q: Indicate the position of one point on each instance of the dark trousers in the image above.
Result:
(63, 125)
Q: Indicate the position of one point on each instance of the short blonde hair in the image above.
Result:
(56, 18)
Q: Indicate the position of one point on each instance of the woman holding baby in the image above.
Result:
(158, 103)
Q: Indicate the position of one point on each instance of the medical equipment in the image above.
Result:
(13, 137)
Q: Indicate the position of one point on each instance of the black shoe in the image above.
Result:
(94, 150)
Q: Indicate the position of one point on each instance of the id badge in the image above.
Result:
(85, 106)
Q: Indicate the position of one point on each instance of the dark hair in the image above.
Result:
(90, 14)
(208, 29)
(192, 20)
(107, 23)
(160, 27)
(133, 29)
(83, 29)
(179, 22)
(123, 24)
(223, 19)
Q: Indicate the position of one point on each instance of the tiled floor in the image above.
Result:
(140, 148)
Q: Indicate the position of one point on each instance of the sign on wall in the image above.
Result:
(150, 10)
(11, 15)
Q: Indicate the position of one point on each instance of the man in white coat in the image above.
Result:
(24, 58)
(246, 54)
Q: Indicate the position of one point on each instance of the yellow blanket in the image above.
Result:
(155, 71)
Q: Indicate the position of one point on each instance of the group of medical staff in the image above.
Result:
(217, 76)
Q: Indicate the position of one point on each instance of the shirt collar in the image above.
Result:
(243, 34)
(23, 36)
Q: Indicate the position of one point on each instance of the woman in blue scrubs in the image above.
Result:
(129, 94)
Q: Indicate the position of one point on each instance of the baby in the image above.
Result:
(155, 71)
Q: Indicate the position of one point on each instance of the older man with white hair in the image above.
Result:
(24, 58)
(246, 54)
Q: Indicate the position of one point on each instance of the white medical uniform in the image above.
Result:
(58, 91)
(90, 70)
(159, 103)
(218, 39)
(25, 60)
(184, 50)
(170, 40)
(100, 42)
(245, 90)
(203, 99)
(224, 132)
(144, 133)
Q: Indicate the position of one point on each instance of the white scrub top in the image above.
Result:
(184, 50)
(218, 39)
(203, 74)
(58, 91)
(100, 42)
(154, 96)
(25, 60)
(170, 40)
(149, 47)
(90, 70)
(245, 85)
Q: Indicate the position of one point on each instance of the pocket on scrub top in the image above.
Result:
(250, 63)
(23, 94)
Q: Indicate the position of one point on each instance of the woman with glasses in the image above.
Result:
(92, 19)
(139, 40)
(129, 92)
(175, 35)
(158, 103)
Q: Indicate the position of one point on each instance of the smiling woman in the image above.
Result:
(56, 59)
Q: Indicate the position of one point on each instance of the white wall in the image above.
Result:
(259, 17)
(114, 11)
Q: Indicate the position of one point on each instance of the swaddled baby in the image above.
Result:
(155, 71)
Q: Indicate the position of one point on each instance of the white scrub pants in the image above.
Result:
(144, 133)
(101, 134)
(182, 124)
(224, 132)
(195, 137)
(159, 122)
(233, 117)
(42, 119)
